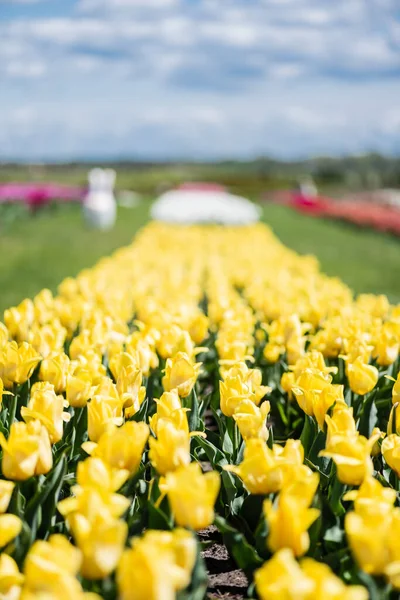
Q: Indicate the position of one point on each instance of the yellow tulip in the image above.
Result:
(233, 391)
(394, 419)
(171, 449)
(367, 533)
(27, 451)
(19, 319)
(251, 419)
(17, 363)
(259, 469)
(10, 527)
(122, 360)
(11, 579)
(45, 406)
(50, 569)
(327, 586)
(288, 382)
(282, 578)
(192, 495)
(130, 389)
(94, 472)
(121, 447)
(289, 521)
(54, 369)
(391, 452)
(79, 386)
(272, 352)
(180, 374)
(362, 377)
(308, 387)
(101, 542)
(6, 490)
(103, 411)
(371, 496)
(174, 339)
(198, 328)
(93, 503)
(328, 397)
(302, 485)
(386, 350)
(169, 407)
(47, 338)
(396, 390)
(351, 456)
(289, 460)
(392, 569)
(157, 566)
(313, 360)
(341, 422)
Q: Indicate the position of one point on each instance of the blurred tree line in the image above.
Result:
(252, 178)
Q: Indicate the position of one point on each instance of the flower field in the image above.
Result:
(203, 379)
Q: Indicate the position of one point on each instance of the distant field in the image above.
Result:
(40, 251)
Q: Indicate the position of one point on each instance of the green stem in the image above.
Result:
(13, 408)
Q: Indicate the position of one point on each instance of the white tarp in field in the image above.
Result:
(204, 206)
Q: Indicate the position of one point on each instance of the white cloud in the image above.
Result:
(25, 69)
(112, 5)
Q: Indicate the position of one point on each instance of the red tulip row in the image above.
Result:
(361, 213)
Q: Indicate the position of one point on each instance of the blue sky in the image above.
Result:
(196, 79)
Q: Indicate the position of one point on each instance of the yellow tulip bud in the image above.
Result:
(121, 447)
(391, 452)
(362, 377)
(251, 419)
(45, 406)
(171, 449)
(192, 495)
(27, 451)
(180, 374)
(54, 369)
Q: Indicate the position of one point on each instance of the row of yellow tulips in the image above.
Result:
(105, 388)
